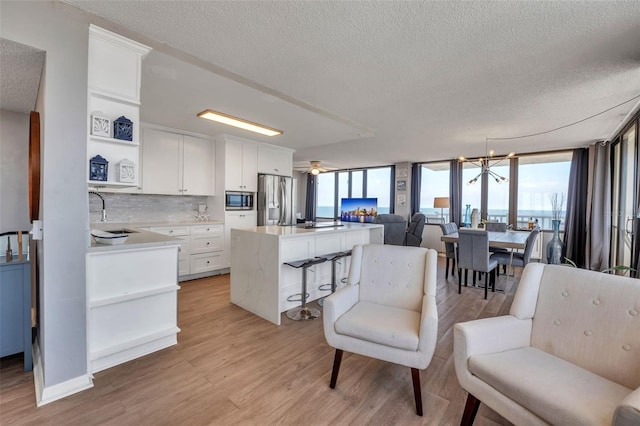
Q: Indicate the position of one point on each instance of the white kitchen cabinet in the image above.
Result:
(207, 245)
(114, 91)
(177, 164)
(241, 166)
(131, 303)
(184, 235)
(275, 161)
(236, 219)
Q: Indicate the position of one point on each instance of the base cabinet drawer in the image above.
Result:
(205, 243)
(206, 262)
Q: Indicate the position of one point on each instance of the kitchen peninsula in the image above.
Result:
(261, 282)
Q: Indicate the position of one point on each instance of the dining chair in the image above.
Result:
(497, 227)
(519, 259)
(473, 253)
(450, 248)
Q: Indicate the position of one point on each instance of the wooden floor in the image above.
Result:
(232, 367)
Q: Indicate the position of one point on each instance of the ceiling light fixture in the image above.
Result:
(315, 172)
(238, 122)
(485, 164)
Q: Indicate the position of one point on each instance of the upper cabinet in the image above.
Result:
(113, 101)
(177, 164)
(275, 160)
(240, 164)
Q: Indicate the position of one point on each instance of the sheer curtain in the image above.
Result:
(599, 207)
(455, 191)
(575, 236)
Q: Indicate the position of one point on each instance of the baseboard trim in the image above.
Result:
(45, 395)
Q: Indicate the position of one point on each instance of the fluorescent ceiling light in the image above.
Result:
(238, 122)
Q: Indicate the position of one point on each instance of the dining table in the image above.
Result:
(511, 240)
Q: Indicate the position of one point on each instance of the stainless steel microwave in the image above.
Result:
(238, 200)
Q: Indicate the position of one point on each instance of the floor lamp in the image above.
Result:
(441, 203)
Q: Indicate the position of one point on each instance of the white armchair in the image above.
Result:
(387, 310)
(568, 353)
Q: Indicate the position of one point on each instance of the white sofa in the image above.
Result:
(568, 353)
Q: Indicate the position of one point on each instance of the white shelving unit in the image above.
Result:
(114, 72)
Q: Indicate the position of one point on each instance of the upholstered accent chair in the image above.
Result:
(450, 248)
(394, 228)
(473, 253)
(413, 235)
(567, 354)
(387, 310)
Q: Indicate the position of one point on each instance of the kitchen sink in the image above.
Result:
(121, 231)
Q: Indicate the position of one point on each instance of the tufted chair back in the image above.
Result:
(495, 227)
(394, 228)
(449, 228)
(588, 318)
(393, 275)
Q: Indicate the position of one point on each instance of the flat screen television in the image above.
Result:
(363, 210)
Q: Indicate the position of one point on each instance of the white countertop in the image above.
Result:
(285, 231)
(137, 239)
(111, 225)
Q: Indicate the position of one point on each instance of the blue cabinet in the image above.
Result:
(15, 309)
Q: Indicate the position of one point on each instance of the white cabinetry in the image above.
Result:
(207, 244)
(131, 304)
(275, 161)
(201, 247)
(183, 234)
(113, 91)
(177, 164)
(240, 164)
(241, 219)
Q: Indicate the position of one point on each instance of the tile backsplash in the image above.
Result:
(145, 208)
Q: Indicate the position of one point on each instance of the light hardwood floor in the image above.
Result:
(232, 367)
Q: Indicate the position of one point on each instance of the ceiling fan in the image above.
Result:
(314, 168)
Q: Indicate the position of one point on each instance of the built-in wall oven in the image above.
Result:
(235, 200)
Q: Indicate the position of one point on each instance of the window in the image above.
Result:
(325, 206)
(471, 192)
(379, 186)
(434, 183)
(498, 194)
(539, 176)
(371, 183)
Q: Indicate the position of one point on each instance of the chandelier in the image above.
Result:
(485, 163)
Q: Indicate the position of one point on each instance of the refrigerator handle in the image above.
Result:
(283, 203)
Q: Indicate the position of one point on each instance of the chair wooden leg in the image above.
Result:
(486, 285)
(417, 391)
(466, 276)
(493, 279)
(446, 270)
(459, 282)
(474, 278)
(337, 359)
(470, 410)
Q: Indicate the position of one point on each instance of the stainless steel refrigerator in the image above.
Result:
(276, 200)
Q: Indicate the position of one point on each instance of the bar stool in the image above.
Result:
(302, 312)
(333, 258)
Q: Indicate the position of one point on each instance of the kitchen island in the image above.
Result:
(131, 297)
(261, 282)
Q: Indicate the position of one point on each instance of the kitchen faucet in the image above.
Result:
(104, 210)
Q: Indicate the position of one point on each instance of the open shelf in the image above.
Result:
(112, 140)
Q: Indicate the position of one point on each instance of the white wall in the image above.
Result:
(62, 32)
(14, 171)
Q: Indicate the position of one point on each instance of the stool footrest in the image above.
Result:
(298, 297)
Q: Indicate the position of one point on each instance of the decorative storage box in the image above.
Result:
(98, 168)
(126, 171)
(100, 125)
(123, 129)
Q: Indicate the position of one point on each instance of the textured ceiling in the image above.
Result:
(367, 83)
(21, 68)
